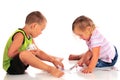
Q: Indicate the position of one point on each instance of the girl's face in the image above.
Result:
(37, 29)
(85, 35)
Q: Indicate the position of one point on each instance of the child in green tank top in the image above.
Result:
(21, 51)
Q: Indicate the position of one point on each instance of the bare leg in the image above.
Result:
(28, 58)
(85, 59)
(75, 57)
(42, 55)
(55, 60)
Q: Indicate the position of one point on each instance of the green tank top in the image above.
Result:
(26, 43)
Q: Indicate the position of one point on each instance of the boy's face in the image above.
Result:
(37, 29)
(85, 35)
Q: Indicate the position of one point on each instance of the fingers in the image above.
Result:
(62, 66)
(59, 64)
(87, 70)
(80, 63)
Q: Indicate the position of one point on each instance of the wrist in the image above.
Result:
(52, 60)
(91, 67)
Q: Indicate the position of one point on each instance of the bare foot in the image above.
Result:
(74, 57)
(56, 72)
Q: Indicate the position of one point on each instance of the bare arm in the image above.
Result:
(94, 58)
(85, 57)
(44, 56)
(41, 54)
(93, 61)
(17, 42)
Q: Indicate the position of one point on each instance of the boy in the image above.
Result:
(21, 51)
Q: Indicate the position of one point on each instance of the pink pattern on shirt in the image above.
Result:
(107, 51)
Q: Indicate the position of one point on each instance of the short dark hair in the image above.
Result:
(34, 16)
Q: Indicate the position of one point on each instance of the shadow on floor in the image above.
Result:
(26, 76)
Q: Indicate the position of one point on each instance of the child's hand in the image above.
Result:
(58, 64)
(35, 52)
(87, 70)
(80, 62)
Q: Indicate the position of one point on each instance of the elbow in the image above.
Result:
(10, 54)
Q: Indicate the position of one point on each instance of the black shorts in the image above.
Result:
(16, 66)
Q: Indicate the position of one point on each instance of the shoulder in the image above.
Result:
(96, 38)
(96, 34)
(18, 36)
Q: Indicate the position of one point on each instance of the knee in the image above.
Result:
(23, 54)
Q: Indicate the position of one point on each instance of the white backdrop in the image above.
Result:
(57, 39)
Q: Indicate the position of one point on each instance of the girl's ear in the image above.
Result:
(88, 30)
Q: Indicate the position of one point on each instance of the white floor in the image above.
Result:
(57, 39)
(75, 74)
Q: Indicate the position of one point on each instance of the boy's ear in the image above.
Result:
(33, 25)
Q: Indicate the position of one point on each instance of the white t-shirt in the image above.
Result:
(107, 51)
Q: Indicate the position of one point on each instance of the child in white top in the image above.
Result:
(100, 53)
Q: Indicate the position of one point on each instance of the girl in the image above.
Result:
(100, 53)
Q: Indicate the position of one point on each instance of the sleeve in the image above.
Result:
(96, 40)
